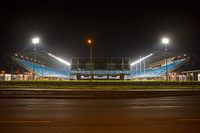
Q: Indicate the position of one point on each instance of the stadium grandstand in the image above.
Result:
(46, 65)
(152, 66)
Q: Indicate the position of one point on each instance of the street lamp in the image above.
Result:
(165, 41)
(35, 41)
(90, 43)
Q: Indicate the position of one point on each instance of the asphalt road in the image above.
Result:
(175, 114)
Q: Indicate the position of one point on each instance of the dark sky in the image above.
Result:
(120, 29)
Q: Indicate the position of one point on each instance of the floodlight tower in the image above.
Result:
(35, 42)
(165, 41)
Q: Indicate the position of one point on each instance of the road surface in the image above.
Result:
(174, 114)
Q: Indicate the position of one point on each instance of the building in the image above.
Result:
(100, 68)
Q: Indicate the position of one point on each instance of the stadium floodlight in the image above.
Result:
(165, 41)
(59, 59)
(141, 59)
(35, 41)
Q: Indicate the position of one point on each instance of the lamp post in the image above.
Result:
(90, 43)
(35, 41)
(165, 41)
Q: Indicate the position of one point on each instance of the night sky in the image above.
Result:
(119, 29)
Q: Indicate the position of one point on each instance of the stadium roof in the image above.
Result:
(160, 55)
(42, 57)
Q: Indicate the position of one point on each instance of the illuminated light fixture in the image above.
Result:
(138, 61)
(89, 41)
(35, 40)
(59, 59)
(16, 54)
(165, 40)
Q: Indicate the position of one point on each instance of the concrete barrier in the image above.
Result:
(28, 83)
(60, 93)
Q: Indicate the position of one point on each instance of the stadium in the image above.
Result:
(158, 65)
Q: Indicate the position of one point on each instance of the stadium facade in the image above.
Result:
(152, 66)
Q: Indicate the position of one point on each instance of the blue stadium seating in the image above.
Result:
(45, 71)
(154, 72)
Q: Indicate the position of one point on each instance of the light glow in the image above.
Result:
(165, 40)
(89, 41)
(143, 58)
(35, 40)
(59, 59)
